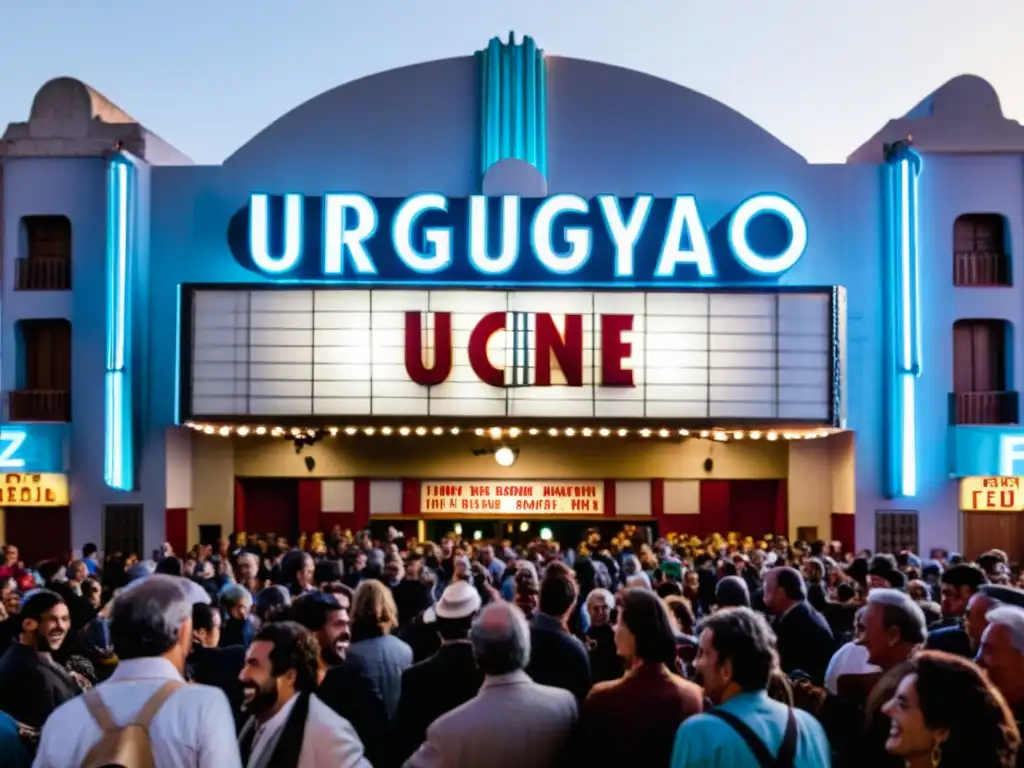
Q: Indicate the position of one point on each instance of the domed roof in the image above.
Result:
(66, 99)
(625, 125)
(962, 116)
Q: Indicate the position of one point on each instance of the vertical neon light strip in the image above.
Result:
(904, 167)
(513, 103)
(118, 460)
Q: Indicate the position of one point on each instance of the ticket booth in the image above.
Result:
(991, 508)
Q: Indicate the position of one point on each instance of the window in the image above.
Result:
(980, 390)
(980, 252)
(895, 531)
(46, 261)
(122, 529)
(44, 372)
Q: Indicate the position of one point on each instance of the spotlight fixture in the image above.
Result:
(506, 456)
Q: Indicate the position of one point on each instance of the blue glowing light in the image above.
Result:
(685, 220)
(479, 252)
(1011, 455)
(740, 245)
(11, 441)
(578, 238)
(431, 239)
(437, 253)
(33, 447)
(905, 323)
(118, 462)
(340, 239)
(259, 233)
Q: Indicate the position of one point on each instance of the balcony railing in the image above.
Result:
(50, 273)
(981, 268)
(984, 408)
(39, 405)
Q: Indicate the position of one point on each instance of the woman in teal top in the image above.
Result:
(746, 729)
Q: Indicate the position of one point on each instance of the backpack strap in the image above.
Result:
(787, 752)
(753, 741)
(94, 704)
(156, 701)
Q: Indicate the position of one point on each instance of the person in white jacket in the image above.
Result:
(289, 726)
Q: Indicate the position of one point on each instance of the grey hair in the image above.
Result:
(899, 610)
(501, 639)
(234, 594)
(141, 570)
(639, 580)
(630, 565)
(602, 595)
(249, 556)
(146, 619)
(1011, 617)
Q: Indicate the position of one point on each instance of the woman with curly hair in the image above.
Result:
(946, 714)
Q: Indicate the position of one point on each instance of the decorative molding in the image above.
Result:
(513, 103)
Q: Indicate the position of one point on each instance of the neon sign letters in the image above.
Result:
(11, 441)
(33, 448)
(564, 239)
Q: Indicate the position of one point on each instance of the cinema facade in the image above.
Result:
(506, 292)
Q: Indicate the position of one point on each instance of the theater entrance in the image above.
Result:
(522, 531)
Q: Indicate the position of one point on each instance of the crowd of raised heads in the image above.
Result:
(350, 650)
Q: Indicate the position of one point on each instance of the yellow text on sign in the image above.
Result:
(992, 494)
(22, 489)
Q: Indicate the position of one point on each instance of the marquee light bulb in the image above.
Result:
(438, 430)
(479, 432)
(623, 432)
(495, 433)
(385, 430)
(570, 432)
(663, 433)
(553, 432)
(505, 456)
(350, 430)
(514, 432)
(421, 431)
(604, 431)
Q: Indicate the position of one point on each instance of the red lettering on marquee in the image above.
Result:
(478, 341)
(442, 365)
(615, 349)
(568, 351)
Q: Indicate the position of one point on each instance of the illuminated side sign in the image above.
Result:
(991, 494)
(563, 239)
(33, 448)
(34, 490)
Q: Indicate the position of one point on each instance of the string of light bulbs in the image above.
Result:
(502, 433)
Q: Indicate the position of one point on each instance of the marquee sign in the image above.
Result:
(273, 354)
(514, 497)
(564, 239)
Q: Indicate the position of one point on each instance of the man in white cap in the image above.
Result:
(447, 679)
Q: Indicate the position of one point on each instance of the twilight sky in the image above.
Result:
(207, 75)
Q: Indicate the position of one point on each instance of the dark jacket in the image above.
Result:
(237, 632)
(432, 688)
(605, 663)
(805, 642)
(951, 640)
(220, 667)
(31, 688)
(353, 694)
(557, 658)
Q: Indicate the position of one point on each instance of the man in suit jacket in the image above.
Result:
(557, 657)
(447, 679)
(804, 639)
(513, 721)
(290, 727)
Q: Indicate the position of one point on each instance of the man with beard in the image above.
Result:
(32, 684)
(289, 726)
(346, 688)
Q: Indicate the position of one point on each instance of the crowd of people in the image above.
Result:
(349, 651)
